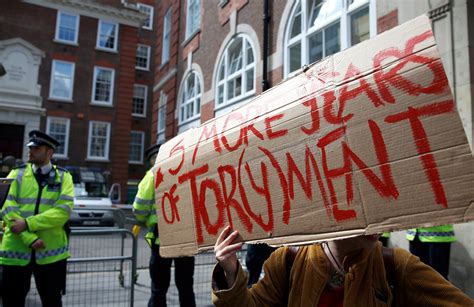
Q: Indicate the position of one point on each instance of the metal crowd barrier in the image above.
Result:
(109, 267)
(101, 271)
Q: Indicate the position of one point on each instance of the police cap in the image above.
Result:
(150, 151)
(38, 138)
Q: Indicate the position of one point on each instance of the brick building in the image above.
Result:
(217, 55)
(82, 71)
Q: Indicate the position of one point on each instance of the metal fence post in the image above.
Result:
(134, 269)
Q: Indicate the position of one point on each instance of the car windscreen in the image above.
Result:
(90, 189)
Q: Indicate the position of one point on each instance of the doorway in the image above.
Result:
(11, 140)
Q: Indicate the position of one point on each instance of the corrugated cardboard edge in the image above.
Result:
(439, 218)
(184, 249)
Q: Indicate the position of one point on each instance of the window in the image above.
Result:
(99, 140)
(137, 141)
(319, 28)
(103, 87)
(107, 36)
(140, 93)
(190, 98)
(236, 74)
(67, 27)
(223, 3)
(147, 9)
(161, 119)
(193, 17)
(62, 80)
(58, 128)
(162, 116)
(165, 52)
(142, 58)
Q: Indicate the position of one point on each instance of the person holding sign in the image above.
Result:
(346, 272)
(37, 208)
(160, 268)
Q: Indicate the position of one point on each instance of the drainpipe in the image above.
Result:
(266, 21)
(453, 47)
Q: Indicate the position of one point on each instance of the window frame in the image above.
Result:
(242, 71)
(66, 139)
(147, 67)
(342, 17)
(52, 78)
(99, 28)
(58, 22)
(166, 44)
(193, 100)
(112, 89)
(89, 142)
(145, 100)
(190, 31)
(150, 15)
(142, 147)
(161, 108)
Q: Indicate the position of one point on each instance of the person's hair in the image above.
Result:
(50, 152)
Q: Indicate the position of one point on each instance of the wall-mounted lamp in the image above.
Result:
(3, 72)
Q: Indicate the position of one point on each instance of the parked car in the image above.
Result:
(93, 199)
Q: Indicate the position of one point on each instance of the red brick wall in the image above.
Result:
(226, 11)
(207, 111)
(170, 88)
(120, 135)
(387, 21)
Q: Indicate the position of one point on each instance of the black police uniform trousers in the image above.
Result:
(49, 278)
(160, 274)
(434, 254)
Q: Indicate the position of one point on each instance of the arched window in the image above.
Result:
(190, 99)
(236, 73)
(319, 28)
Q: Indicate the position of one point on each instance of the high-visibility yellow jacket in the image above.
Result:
(144, 207)
(45, 212)
(441, 234)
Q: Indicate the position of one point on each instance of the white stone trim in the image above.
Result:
(170, 74)
(129, 15)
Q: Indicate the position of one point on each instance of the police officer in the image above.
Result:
(433, 246)
(160, 268)
(35, 242)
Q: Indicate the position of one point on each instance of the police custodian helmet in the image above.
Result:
(150, 151)
(38, 138)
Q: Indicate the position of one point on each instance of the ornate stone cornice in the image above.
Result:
(128, 15)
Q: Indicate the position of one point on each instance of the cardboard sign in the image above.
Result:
(365, 141)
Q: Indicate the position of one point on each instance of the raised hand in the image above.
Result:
(225, 250)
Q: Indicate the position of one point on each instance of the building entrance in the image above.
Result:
(11, 140)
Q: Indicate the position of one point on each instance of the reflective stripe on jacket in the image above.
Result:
(47, 224)
(442, 234)
(144, 207)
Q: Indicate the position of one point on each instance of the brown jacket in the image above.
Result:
(365, 282)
